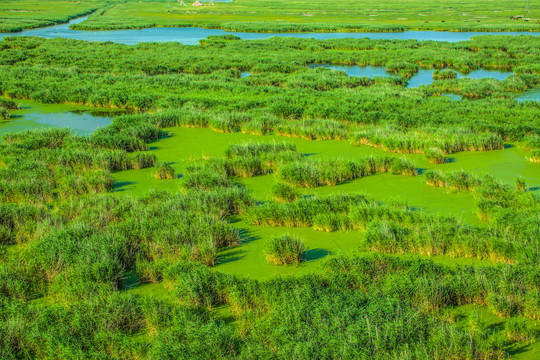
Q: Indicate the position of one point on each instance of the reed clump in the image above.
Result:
(334, 172)
(284, 192)
(435, 156)
(284, 250)
(164, 171)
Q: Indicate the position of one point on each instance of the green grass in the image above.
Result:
(322, 15)
(284, 250)
(24, 14)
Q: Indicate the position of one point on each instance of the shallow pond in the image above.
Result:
(422, 77)
(191, 36)
(533, 94)
(82, 120)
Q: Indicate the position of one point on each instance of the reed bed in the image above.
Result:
(334, 172)
(448, 141)
(444, 74)
(44, 165)
(399, 229)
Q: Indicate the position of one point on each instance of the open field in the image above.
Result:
(236, 200)
(324, 15)
(26, 14)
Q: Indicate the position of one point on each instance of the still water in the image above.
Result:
(191, 36)
(82, 120)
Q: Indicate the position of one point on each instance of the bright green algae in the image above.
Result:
(185, 145)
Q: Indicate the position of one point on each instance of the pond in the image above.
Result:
(191, 36)
(83, 120)
(533, 94)
(422, 77)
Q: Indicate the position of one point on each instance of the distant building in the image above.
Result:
(197, 3)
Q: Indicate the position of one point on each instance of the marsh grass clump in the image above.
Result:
(385, 236)
(444, 74)
(284, 192)
(164, 171)
(434, 156)
(521, 185)
(535, 156)
(517, 329)
(284, 250)
(416, 141)
(313, 129)
(4, 113)
(333, 172)
(207, 179)
(459, 180)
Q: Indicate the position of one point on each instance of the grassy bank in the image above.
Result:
(322, 15)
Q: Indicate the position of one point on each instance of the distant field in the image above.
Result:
(324, 15)
(16, 15)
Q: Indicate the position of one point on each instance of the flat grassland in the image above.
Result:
(25, 14)
(323, 15)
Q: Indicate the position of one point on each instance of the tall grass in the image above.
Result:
(164, 171)
(284, 250)
(284, 192)
(333, 172)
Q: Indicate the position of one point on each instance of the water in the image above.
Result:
(81, 120)
(357, 71)
(528, 95)
(453, 97)
(191, 36)
(245, 74)
(422, 77)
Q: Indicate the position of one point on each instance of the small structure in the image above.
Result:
(181, 2)
(197, 3)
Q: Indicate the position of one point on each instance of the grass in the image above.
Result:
(284, 192)
(323, 15)
(164, 171)
(435, 156)
(24, 14)
(284, 250)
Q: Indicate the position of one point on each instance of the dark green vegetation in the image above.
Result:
(284, 250)
(164, 171)
(284, 192)
(287, 98)
(322, 15)
(90, 268)
(16, 15)
(5, 107)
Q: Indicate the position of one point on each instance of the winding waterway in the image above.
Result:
(191, 36)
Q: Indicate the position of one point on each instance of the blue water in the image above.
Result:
(82, 123)
(422, 77)
(453, 97)
(191, 36)
(533, 94)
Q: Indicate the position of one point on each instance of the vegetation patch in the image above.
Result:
(284, 250)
